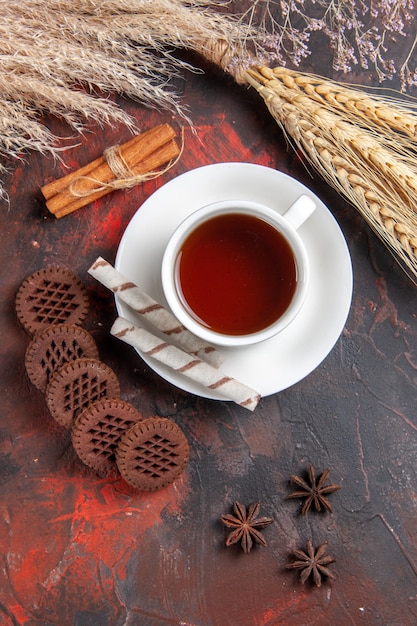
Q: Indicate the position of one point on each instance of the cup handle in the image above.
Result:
(298, 212)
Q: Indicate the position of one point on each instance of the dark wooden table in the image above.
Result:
(80, 550)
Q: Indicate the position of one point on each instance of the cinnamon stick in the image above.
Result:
(65, 202)
(61, 184)
(139, 156)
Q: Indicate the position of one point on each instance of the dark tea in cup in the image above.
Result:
(235, 274)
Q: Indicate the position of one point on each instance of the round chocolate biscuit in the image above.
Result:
(53, 295)
(152, 454)
(78, 384)
(53, 347)
(97, 431)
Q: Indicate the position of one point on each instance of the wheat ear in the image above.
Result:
(355, 159)
(381, 113)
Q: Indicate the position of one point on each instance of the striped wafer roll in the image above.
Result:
(185, 364)
(143, 304)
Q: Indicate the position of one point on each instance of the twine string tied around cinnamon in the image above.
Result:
(125, 177)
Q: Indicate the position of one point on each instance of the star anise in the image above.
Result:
(315, 491)
(312, 562)
(245, 526)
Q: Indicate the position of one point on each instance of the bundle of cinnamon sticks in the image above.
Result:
(119, 167)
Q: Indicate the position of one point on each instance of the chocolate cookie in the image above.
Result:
(78, 384)
(97, 431)
(55, 346)
(53, 295)
(152, 453)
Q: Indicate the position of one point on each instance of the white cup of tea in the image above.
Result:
(236, 272)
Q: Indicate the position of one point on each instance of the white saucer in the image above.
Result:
(287, 358)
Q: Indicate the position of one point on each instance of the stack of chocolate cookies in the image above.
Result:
(83, 393)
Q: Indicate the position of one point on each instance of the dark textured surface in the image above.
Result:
(79, 550)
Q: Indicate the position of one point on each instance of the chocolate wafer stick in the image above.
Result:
(144, 305)
(185, 364)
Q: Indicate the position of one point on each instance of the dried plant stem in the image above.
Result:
(349, 153)
(48, 50)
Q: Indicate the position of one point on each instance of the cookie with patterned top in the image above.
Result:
(152, 454)
(52, 295)
(78, 384)
(97, 430)
(53, 347)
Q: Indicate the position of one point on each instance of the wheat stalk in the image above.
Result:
(357, 143)
(363, 146)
